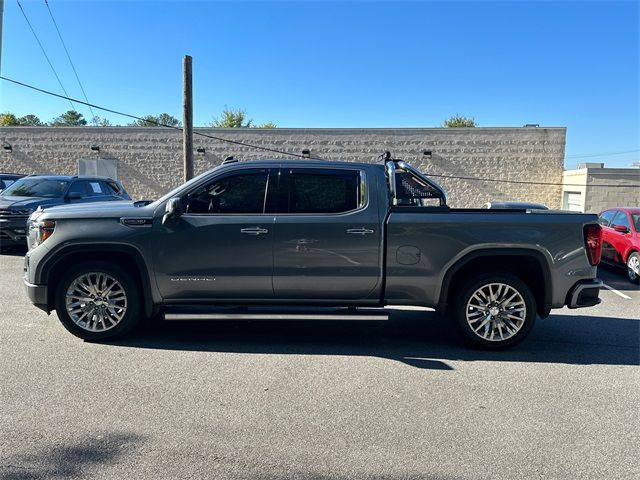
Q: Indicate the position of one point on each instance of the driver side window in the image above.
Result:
(243, 193)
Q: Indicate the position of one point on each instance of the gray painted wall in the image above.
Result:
(150, 159)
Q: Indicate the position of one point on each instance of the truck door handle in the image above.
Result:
(254, 231)
(359, 231)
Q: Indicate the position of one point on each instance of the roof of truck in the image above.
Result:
(302, 162)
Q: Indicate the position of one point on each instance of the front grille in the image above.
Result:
(5, 212)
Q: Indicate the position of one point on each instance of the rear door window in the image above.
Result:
(95, 188)
(324, 191)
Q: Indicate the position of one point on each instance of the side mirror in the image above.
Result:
(172, 211)
(73, 196)
(621, 229)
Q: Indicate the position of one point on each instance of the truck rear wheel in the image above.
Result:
(495, 310)
(98, 301)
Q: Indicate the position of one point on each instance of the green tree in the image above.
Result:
(156, 121)
(30, 121)
(8, 119)
(237, 118)
(458, 121)
(97, 121)
(232, 119)
(70, 118)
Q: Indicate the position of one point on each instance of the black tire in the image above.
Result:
(496, 326)
(631, 275)
(132, 311)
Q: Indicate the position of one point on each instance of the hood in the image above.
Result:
(112, 209)
(21, 203)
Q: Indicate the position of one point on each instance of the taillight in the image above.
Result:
(593, 242)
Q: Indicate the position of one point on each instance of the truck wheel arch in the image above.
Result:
(537, 276)
(125, 255)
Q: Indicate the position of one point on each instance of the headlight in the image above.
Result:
(42, 229)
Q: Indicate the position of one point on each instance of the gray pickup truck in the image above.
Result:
(309, 240)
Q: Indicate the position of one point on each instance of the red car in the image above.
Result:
(621, 239)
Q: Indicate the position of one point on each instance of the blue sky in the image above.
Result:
(344, 64)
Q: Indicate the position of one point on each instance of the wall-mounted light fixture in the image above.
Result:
(201, 150)
(427, 153)
(95, 148)
(6, 147)
(306, 153)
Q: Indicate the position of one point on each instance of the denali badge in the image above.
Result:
(193, 279)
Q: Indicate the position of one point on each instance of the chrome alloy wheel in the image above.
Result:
(496, 312)
(96, 301)
(633, 267)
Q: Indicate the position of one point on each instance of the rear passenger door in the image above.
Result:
(326, 236)
(608, 234)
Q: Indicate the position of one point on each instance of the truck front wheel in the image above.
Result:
(97, 301)
(494, 310)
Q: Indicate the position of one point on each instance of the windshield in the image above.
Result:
(36, 187)
(636, 220)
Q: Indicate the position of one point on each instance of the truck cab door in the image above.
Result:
(326, 236)
(220, 246)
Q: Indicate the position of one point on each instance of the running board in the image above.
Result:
(342, 314)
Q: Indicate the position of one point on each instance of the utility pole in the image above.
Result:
(187, 118)
(1, 22)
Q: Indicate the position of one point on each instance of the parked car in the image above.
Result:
(516, 205)
(621, 239)
(312, 235)
(7, 179)
(26, 194)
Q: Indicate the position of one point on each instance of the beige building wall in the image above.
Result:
(602, 188)
(150, 159)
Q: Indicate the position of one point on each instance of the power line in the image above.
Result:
(68, 56)
(282, 152)
(522, 182)
(604, 154)
(45, 53)
(98, 107)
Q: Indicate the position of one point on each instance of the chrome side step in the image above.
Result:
(274, 315)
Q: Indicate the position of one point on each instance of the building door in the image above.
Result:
(572, 201)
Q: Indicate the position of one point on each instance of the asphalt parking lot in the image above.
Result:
(401, 399)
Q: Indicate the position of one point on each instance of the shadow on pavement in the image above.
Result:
(70, 461)
(13, 251)
(616, 278)
(419, 339)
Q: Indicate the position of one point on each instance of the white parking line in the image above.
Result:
(616, 292)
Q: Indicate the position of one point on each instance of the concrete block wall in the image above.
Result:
(626, 193)
(150, 159)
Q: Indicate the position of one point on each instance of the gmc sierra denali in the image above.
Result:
(309, 240)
